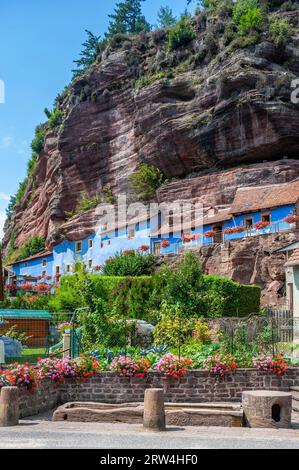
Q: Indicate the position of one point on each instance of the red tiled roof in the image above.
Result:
(294, 258)
(43, 254)
(220, 216)
(263, 197)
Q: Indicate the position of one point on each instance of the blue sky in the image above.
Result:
(39, 39)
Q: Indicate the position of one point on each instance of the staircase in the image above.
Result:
(295, 394)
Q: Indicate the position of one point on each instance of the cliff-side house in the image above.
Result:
(255, 211)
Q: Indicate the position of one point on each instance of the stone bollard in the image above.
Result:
(66, 339)
(9, 406)
(267, 409)
(2, 352)
(154, 412)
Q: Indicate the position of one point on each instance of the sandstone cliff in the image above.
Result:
(252, 260)
(219, 116)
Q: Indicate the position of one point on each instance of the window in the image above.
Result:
(102, 244)
(57, 269)
(90, 243)
(44, 262)
(170, 220)
(266, 217)
(78, 247)
(68, 268)
(44, 273)
(248, 222)
(131, 232)
(89, 263)
(25, 265)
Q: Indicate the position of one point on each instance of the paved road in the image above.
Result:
(43, 434)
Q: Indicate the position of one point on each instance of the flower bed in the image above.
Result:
(221, 366)
(128, 367)
(173, 366)
(271, 363)
(28, 376)
(168, 365)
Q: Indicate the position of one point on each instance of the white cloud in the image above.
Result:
(2, 220)
(6, 142)
(4, 197)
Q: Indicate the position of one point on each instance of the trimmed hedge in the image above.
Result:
(226, 298)
(138, 297)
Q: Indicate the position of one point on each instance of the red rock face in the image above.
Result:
(219, 187)
(252, 260)
(210, 118)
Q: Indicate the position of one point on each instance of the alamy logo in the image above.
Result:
(2, 92)
(295, 93)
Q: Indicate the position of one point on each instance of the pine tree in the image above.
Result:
(91, 48)
(127, 18)
(166, 17)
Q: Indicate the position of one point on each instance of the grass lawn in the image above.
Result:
(34, 351)
(30, 355)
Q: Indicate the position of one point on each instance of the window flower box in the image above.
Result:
(237, 229)
(261, 225)
(291, 219)
(210, 234)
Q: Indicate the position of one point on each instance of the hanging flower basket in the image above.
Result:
(165, 244)
(291, 219)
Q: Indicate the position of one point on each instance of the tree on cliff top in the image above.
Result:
(166, 17)
(127, 19)
(91, 48)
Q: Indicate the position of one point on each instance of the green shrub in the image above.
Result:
(147, 80)
(31, 247)
(127, 296)
(229, 34)
(86, 203)
(248, 16)
(55, 117)
(145, 181)
(183, 286)
(252, 21)
(280, 32)
(225, 298)
(182, 33)
(14, 333)
(174, 330)
(131, 263)
(38, 141)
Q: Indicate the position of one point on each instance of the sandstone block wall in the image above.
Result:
(196, 386)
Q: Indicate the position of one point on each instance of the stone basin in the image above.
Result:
(179, 414)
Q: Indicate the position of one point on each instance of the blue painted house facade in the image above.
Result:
(37, 267)
(255, 211)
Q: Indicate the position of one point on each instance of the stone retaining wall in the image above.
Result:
(196, 386)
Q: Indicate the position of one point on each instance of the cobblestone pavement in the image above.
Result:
(40, 433)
